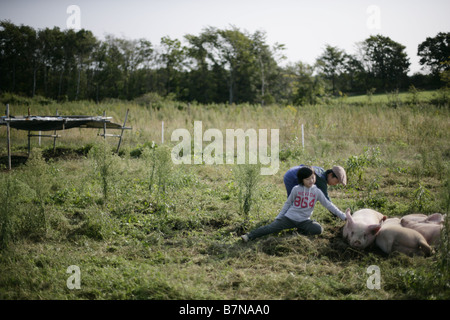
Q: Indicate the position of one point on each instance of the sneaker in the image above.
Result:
(245, 237)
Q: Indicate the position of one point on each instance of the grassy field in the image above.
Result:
(139, 227)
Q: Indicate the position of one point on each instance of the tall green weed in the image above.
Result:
(247, 178)
(105, 169)
(356, 165)
(160, 175)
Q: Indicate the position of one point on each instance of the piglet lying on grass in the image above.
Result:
(362, 227)
(428, 226)
(393, 237)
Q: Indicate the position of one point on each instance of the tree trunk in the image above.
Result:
(34, 81)
(262, 82)
(230, 99)
(78, 84)
(60, 83)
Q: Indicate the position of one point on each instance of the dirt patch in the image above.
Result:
(64, 153)
(16, 160)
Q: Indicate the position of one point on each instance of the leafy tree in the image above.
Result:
(216, 65)
(236, 57)
(125, 58)
(202, 85)
(331, 64)
(304, 86)
(354, 75)
(112, 74)
(231, 55)
(19, 57)
(386, 61)
(172, 58)
(435, 51)
(141, 68)
(241, 60)
(445, 75)
(84, 44)
(51, 57)
(266, 64)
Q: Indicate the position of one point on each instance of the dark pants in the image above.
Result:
(307, 227)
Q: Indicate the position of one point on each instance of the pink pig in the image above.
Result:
(393, 237)
(362, 227)
(428, 226)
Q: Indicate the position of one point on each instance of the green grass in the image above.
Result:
(142, 229)
(395, 98)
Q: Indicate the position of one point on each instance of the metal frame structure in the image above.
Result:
(54, 123)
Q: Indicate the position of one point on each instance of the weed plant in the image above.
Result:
(104, 165)
(356, 165)
(247, 178)
(160, 181)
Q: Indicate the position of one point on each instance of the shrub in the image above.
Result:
(160, 173)
(356, 164)
(104, 164)
(247, 177)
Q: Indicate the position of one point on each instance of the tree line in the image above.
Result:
(215, 66)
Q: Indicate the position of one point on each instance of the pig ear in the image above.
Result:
(374, 228)
(435, 217)
(348, 215)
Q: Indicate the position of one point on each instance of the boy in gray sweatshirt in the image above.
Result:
(298, 208)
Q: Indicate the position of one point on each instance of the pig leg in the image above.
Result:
(426, 249)
(384, 242)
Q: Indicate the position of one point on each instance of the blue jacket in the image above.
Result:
(290, 179)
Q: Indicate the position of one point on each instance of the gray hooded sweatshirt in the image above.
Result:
(300, 204)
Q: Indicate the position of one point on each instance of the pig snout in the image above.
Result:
(357, 244)
(362, 236)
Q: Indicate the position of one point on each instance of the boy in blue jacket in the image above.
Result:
(324, 178)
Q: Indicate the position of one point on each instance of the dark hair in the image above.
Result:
(330, 171)
(303, 173)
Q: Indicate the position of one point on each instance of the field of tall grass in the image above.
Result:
(138, 226)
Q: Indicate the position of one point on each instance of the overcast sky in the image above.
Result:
(304, 27)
